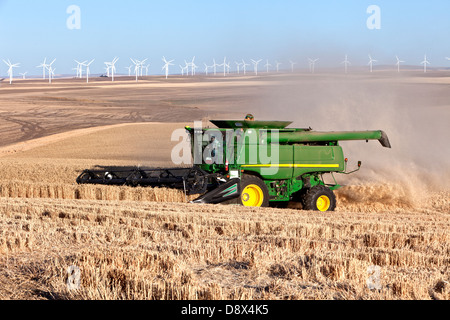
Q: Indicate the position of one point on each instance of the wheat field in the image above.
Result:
(154, 250)
(143, 243)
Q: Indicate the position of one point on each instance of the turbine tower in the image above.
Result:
(138, 66)
(425, 62)
(129, 70)
(111, 67)
(255, 65)
(43, 65)
(51, 71)
(278, 66)
(398, 63)
(10, 70)
(244, 66)
(80, 68)
(346, 63)
(238, 66)
(371, 61)
(167, 65)
(224, 64)
(292, 65)
(312, 64)
(267, 65)
(23, 75)
(88, 70)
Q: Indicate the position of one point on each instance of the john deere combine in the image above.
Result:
(252, 163)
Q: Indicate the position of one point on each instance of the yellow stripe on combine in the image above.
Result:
(292, 165)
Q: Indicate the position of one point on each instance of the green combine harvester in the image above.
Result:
(252, 163)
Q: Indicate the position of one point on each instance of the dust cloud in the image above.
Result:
(412, 110)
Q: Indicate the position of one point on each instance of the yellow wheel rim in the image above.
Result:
(323, 203)
(252, 196)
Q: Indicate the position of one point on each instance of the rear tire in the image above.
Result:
(319, 198)
(254, 192)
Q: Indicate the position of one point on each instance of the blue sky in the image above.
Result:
(288, 29)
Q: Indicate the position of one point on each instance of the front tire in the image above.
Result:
(254, 192)
(319, 198)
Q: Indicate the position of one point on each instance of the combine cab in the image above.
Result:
(252, 163)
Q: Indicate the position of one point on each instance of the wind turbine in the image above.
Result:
(292, 65)
(425, 62)
(255, 65)
(206, 68)
(80, 68)
(111, 67)
(278, 66)
(43, 65)
(238, 66)
(215, 65)
(398, 63)
(88, 70)
(192, 65)
(244, 66)
(129, 70)
(185, 68)
(371, 61)
(10, 70)
(51, 71)
(267, 65)
(166, 66)
(138, 66)
(346, 63)
(312, 64)
(23, 74)
(224, 64)
(146, 69)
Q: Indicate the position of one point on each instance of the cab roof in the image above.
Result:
(244, 124)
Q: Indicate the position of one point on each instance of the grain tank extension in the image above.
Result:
(252, 163)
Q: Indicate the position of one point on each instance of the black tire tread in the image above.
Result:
(311, 196)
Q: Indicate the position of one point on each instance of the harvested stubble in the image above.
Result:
(20, 189)
(148, 250)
